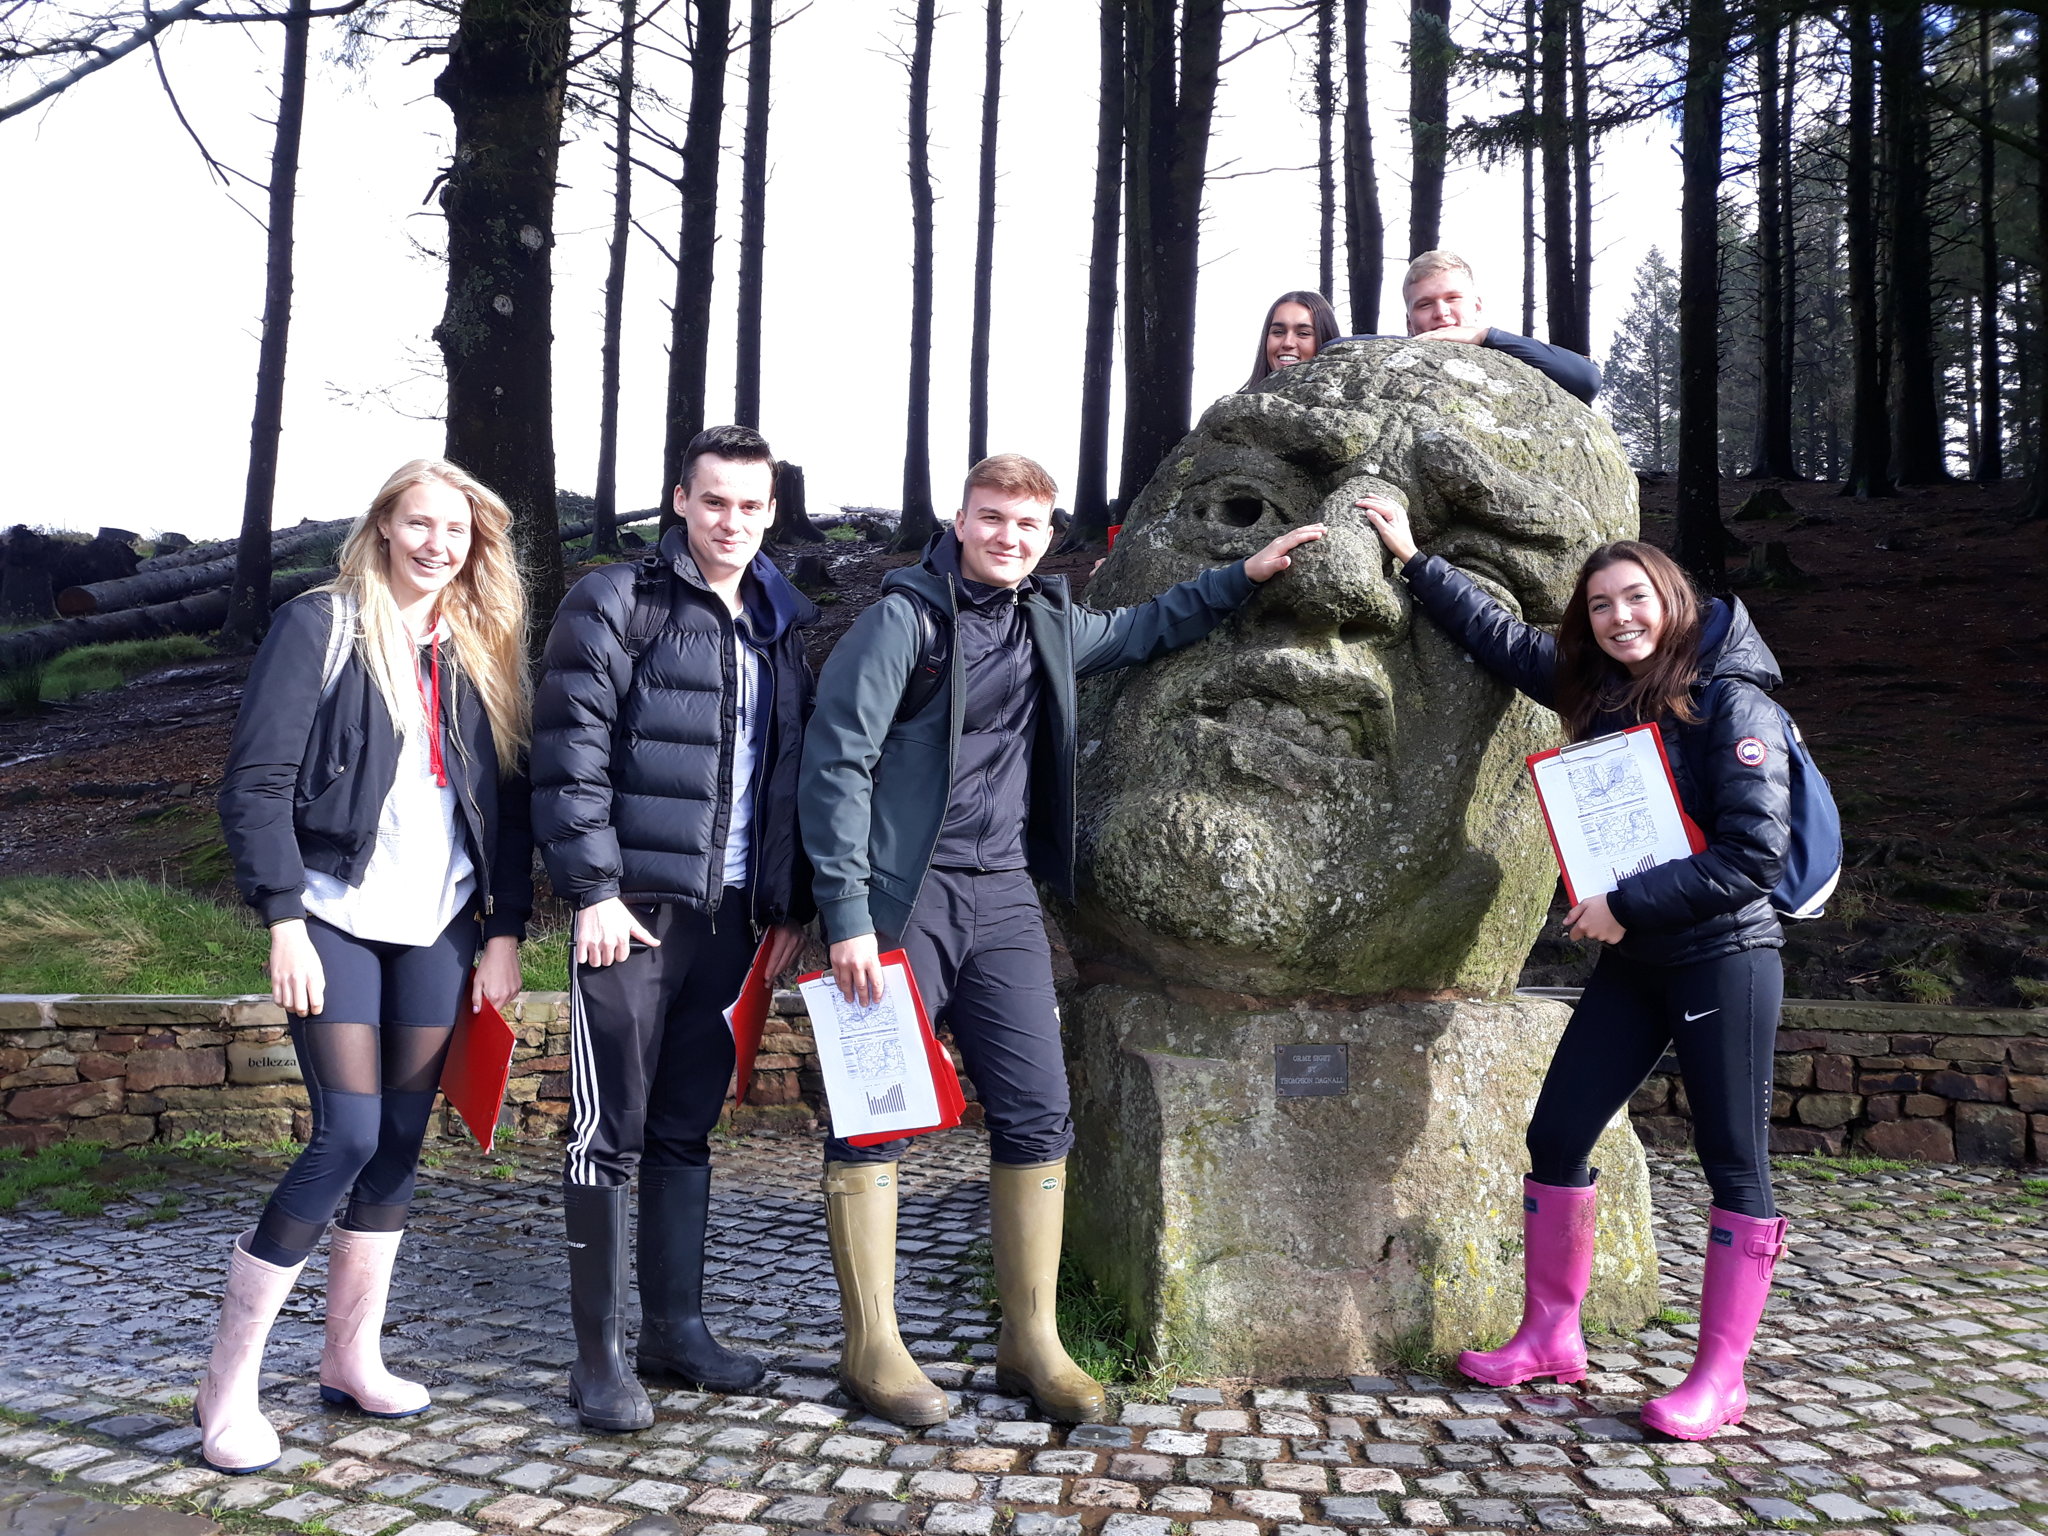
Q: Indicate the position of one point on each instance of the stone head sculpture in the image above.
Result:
(1327, 796)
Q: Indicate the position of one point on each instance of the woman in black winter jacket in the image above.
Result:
(1692, 957)
(378, 824)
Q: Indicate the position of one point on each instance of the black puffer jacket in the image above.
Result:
(632, 767)
(307, 777)
(1714, 903)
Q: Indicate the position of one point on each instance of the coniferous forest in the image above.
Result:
(1856, 295)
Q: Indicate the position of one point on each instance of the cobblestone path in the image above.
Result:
(1900, 1386)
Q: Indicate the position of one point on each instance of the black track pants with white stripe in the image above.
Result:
(650, 1053)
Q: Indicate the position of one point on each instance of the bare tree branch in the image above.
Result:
(155, 23)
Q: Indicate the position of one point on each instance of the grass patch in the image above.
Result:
(23, 690)
(107, 935)
(81, 1178)
(544, 957)
(2033, 993)
(1415, 1353)
(94, 668)
(845, 533)
(1828, 1169)
(1924, 986)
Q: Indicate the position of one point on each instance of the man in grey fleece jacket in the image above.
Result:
(927, 833)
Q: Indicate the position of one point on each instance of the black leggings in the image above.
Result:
(371, 1059)
(1721, 1016)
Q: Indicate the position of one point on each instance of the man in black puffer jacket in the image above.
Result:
(667, 730)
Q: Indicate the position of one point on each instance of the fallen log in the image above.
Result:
(214, 550)
(574, 531)
(186, 616)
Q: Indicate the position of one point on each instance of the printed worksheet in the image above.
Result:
(1611, 808)
(878, 1077)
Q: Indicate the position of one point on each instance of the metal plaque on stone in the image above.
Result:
(1311, 1071)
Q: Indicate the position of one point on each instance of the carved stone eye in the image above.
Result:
(1238, 511)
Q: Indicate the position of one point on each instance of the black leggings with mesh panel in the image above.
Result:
(371, 1059)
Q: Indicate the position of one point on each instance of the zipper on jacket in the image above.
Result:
(483, 858)
(956, 712)
(754, 824)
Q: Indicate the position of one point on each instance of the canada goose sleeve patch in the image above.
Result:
(1751, 752)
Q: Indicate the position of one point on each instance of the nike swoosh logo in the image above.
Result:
(1690, 1017)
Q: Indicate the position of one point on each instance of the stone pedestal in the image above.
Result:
(1375, 1218)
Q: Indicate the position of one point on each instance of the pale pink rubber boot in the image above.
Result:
(352, 1373)
(1742, 1251)
(1558, 1229)
(235, 1437)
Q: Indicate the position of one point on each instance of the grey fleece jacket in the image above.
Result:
(872, 790)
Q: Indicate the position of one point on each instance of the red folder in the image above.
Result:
(945, 1081)
(1693, 834)
(747, 1018)
(478, 1067)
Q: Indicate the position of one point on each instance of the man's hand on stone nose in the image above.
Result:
(1272, 560)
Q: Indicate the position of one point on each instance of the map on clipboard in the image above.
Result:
(886, 1075)
(1612, 809)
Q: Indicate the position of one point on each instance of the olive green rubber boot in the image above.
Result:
(860, 1216)
(1027, 1212)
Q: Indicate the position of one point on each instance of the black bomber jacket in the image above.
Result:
(308, 772)
(632, 763)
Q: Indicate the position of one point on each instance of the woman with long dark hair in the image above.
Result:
(1691, 960)
(377, 818)
(1298, 325)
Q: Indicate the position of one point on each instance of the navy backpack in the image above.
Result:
(1813, 861)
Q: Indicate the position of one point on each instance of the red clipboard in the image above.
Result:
(478, 1067)
(1693, 834)
(1114, 530)
(945, 1080)
(747, 1018)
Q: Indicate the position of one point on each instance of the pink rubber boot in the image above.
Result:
(236, 1436)
(1558, 1229)
(1742, 1251)
(352, 1373)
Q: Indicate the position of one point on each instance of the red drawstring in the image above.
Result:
(430, 700)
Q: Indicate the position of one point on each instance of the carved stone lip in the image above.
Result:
(1296, 701)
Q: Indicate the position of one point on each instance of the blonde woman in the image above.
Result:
(377, 817)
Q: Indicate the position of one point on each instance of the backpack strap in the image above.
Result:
(341, 635)
(934, 658)
(653, 596)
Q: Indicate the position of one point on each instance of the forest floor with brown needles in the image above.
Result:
(1915, 651)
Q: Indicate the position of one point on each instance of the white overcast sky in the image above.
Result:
(134, 285)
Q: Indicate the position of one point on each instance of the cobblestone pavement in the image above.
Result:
(1900, 1386)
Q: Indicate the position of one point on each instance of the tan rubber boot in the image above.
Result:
(237, 1438)
(860, 1216)
(1027, 1212)
(352, 1373)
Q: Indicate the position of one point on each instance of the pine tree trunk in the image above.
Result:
(2035, 508)
(985, 239)
(697, 242)
(919, 521)
(604, 517)
(1922, 413)
(1701, 541)
(1990, 460)
(1788, 236)
(1582, 184)
(1167, 117)
(746, 394)
(1774, 411)
(1365, 230)
(1326, 160)
(1429, 108)
(249, 595)
(504, 81)
(1560, 296)
(1091, 477)
(1870, 435)
(1529, 34)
